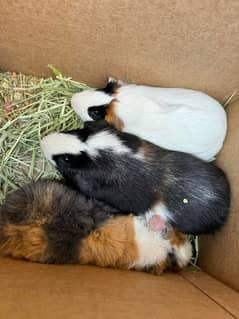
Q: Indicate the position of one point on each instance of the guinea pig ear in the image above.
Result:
(112, 86)
(111, 79)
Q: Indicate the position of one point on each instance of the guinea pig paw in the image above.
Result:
(156, 270)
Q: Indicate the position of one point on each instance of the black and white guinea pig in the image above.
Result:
(132, 174)
(176, 119)
(48, 222)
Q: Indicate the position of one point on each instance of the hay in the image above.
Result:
(30, 108)
(231, 98)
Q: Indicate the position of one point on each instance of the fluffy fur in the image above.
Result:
(193, 195)
(48, 222)
(176, 119)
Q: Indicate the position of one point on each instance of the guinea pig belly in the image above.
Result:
(111, 245)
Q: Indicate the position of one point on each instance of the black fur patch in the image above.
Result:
(205, 189)
(114, 179)
(110, 88)
(70, 161)
(98, 112)
(131, 141)
(89, 129)
(96, 127)
(172, 261)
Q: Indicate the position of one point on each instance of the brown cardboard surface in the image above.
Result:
(216, 290)
(169, 43)
(47, 291)
(219, 254)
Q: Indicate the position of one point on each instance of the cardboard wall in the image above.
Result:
(180, 43)
(219, 254)
(170, 43)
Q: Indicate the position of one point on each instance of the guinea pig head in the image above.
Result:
(72, 151)
(92, 105)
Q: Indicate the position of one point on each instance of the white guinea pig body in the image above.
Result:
(177, 119)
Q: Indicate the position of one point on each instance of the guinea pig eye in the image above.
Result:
(66, 158)
(97, 112)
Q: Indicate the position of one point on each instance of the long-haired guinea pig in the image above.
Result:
(49, 222)
(176, 119)
(132, 174)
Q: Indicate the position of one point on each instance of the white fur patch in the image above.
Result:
(161, 210)
(154, 248)
(176, 119)
(60, 143)
(63, 143)
(104, 140)
(183, 253)
(81, 101)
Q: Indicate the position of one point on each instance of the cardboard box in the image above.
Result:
(177, 43)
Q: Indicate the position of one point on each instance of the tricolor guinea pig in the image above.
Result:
(48, 222)
(135, 175)
(176, 119)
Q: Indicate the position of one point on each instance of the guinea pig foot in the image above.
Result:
(156, 270)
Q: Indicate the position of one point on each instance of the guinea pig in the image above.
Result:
(177, 119)
(135, 175)
(48, 222)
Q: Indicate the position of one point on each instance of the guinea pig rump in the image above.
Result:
(24, 242)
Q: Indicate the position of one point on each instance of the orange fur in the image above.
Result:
(27, 242)
(111, 117)
(111, 245)
(177, 239)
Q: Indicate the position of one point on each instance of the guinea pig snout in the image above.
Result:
(46, 148)
(75, 100)
(82, 101)
(80, 104)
